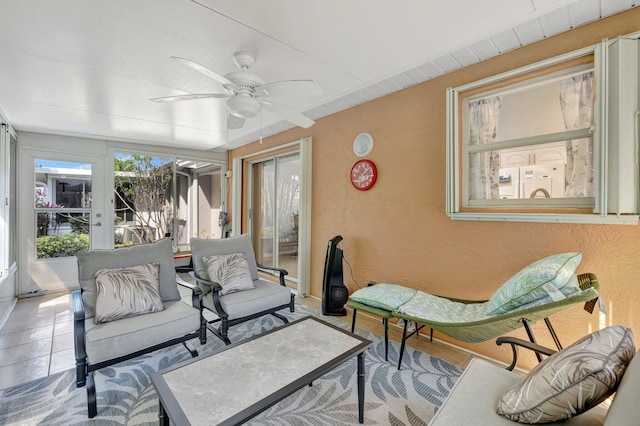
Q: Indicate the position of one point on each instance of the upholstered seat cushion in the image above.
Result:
(440, 309)
(106, 341)
(266, 295)
(389, 297)
(475, 395)
(573, 380)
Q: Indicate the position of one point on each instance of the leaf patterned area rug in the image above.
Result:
(126, 395)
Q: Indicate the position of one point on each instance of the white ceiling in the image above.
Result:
(88, 67)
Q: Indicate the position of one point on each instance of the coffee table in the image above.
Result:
(238, 382)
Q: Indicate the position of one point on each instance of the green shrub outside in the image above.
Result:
(79, 225)
(61, 245)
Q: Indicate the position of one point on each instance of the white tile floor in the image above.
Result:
(37, 340)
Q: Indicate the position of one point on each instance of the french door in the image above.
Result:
(112, 199)
(61, 205)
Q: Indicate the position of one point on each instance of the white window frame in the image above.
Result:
(304, 146)
(168, 154)
(456, 187)
(6, 131)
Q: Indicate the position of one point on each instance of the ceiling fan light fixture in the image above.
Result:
(243, 107)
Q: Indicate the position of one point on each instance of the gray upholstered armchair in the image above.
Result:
(227, 272)
(128, 305)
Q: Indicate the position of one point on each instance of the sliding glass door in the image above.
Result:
(275, 211)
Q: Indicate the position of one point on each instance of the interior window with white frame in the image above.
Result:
(528, 144)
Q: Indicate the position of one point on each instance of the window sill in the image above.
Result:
(548, 218)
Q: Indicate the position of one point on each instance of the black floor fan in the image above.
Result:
(334, 292)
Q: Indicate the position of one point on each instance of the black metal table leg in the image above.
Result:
(162, 415)
(353, 320)
(385, 321)
(361, 387)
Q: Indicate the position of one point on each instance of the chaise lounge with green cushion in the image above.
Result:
(481, 320)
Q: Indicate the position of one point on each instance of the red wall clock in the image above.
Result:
(363, 175)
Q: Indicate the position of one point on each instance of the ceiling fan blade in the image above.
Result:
(290, 88)
(206, 71)
(288, 114)
(234, 122)
(188, 97)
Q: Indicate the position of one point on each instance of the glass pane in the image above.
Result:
(539, 108)
(62, 184)
(143, 207)
(73, 193)
(198, 203)
(61, 234)
(555, 170)
(288, 208)
(62, 203)
(263, 212)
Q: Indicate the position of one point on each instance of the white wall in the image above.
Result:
(7, 296)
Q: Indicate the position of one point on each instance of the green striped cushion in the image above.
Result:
(384, 296)
(550, 279)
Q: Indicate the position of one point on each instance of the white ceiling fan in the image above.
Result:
(246, 93)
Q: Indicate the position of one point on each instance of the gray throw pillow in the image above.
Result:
(571, 381)
(231, 271)
(127, 292)
(89, 262)
(201, 247)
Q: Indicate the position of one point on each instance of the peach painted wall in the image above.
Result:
(398, 232)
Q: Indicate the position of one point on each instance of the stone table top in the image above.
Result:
(247, 375)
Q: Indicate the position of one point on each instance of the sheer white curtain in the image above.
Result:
(484, 167)
(576, 101)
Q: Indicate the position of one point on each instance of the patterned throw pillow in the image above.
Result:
(127, 292)
(571, 381)
(549, 278)
(231, 271)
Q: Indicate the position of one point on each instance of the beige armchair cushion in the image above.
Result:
(266, 295)
(474, 396)
(106, 341)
